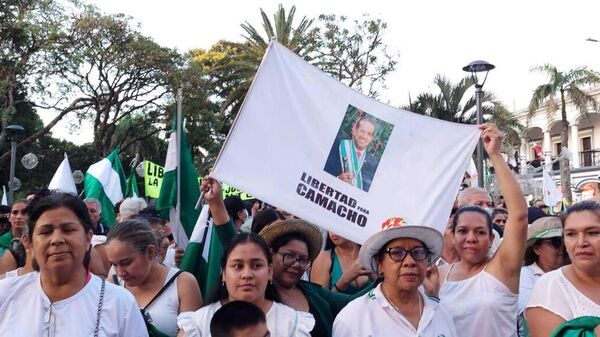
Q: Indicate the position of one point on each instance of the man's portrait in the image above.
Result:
(357, 149)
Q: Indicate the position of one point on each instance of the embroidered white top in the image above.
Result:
(26, 310)
(371, 315)
(555, 293)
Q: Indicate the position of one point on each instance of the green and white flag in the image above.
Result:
(105, 181)
(182, 211)
(132, 189)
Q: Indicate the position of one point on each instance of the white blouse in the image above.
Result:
(371, 315)
(555, 293)
(282, 321)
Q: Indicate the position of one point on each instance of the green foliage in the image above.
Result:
(353, 52)
(452, 104)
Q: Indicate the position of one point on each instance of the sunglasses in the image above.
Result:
(398, 254)
(556, 242)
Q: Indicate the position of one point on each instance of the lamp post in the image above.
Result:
(12, 131)
(474, 68)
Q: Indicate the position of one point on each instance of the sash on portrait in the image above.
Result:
(351, 163)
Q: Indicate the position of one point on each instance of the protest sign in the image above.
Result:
(153, 176)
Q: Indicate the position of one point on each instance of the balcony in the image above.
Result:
(589, 158)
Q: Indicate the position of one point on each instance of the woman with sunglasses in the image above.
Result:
(400, 254)
(295, 244)
(479, 291)
(572, 291)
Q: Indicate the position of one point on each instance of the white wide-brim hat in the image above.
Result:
(396, 228)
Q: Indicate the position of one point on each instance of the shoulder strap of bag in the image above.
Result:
(169, 282)
(100, 303)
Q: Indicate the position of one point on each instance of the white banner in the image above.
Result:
(341, 160)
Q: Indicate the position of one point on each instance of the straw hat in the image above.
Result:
(544, 228)
(396, 228)
(309, 231)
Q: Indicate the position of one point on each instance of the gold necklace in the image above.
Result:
(398, 310)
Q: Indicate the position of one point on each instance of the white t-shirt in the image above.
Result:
(555, 293)
(371, 315)
(529, 276)
(282, 321)
(25, 310)
(481, 306)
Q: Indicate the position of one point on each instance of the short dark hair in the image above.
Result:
(235, 315)
(582, 206)
(263, 218)
(55, 200)
(472, 208)
(366, 118)
(499, 211)
(234, 205)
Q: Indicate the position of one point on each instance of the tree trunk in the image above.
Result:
(565, 168)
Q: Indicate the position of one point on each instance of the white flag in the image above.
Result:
(552, 194)
(63, 178)
(4, 200)
(337, 158)
(472, 172)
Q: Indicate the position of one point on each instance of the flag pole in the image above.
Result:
(178, 156)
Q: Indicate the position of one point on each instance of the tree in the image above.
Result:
(452, 104)
(352, 53)
(120, 72)
(571, 83)
(28, 29)
(237, 71)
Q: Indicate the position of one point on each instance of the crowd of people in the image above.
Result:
(498, 269)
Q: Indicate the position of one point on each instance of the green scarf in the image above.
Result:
(578, 327)
(5, 240)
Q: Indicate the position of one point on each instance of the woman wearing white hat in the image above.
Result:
(400, 254)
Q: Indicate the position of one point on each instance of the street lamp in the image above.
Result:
(474, 68)
(12, 131)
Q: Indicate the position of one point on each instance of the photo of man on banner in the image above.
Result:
(355, 160)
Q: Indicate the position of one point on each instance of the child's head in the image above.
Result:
(237, 319)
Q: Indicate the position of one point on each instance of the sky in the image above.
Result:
(431, 37)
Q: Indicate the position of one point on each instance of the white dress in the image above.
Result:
(282, 321)
(371, 315)
(25, 310)
(481, 306)
(555, 293)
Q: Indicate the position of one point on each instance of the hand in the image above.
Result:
(492, 138)
(178, 256)
(431, 283)
(356, 270)
(211, 189)
(346, 177)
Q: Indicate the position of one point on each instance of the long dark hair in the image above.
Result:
(476, 209)
(56, 200)
(220, 292)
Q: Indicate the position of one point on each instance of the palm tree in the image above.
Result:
(241, 67)
(452, 105)
(571, 83)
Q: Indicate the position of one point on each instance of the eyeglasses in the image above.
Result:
(556, 242)
(398, 254)
(290, 259)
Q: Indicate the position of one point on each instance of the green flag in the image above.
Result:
(105, 181)
(132, 189)
(183, 225)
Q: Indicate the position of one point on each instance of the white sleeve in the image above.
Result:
(341, 329)
(525, 286)
(186, 323)
(134, 325)
(549, 294)
(306, 323)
